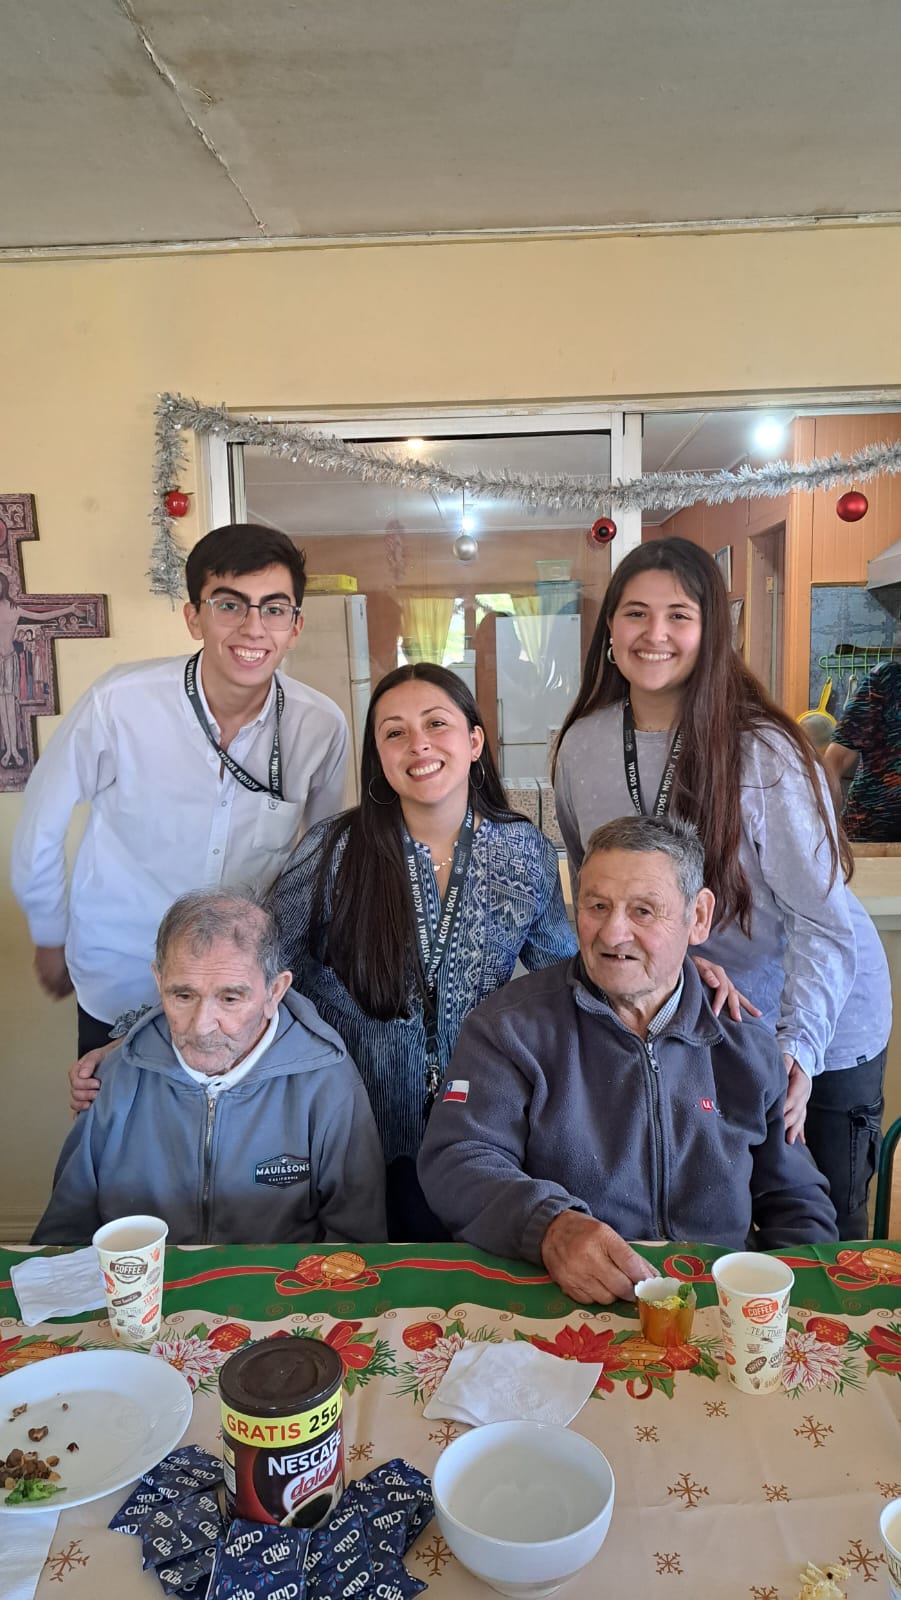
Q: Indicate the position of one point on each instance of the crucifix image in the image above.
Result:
(29, 624)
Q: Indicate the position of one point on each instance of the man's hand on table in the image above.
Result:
(83, 1086)
(51, 969)
(591, 1263)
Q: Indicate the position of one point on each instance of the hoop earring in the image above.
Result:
(610, 655)
(374, 797)
(481, 784)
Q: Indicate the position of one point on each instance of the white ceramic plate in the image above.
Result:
(125, 1412)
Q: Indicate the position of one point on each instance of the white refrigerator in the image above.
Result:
(533, 697)
(332, 655)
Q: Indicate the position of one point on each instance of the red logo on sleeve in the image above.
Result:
(707, 1105)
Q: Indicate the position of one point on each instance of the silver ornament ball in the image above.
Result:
(465, 547)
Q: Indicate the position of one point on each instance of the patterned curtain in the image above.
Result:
(425, 624)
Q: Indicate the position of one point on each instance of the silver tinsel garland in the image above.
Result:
(592, 495)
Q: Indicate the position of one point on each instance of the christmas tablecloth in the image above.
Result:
(717, 1493)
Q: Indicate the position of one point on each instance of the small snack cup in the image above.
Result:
(890, 1529)
(753, 1291)
(132, 1252)
(666, 1310)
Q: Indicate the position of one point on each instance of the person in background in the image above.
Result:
(231, 1110)
(602, 1100)
(199, 771)
(668, 718)
(867, 742)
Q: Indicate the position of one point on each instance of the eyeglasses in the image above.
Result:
(274, 614)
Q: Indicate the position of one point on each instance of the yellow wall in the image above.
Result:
(87, 345)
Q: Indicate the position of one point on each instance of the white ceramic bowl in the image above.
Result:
(522, 1505)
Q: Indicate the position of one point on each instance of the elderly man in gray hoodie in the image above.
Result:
(231, 1110)
(601, 1100)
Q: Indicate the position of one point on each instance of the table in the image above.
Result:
(717, 1493)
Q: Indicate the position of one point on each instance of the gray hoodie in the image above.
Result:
(290, 1154)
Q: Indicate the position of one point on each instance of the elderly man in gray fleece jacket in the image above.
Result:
(601, 1100)
(232, 1111)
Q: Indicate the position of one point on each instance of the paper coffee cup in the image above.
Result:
(754, 1293)
(132, 1252)
(890, 1529)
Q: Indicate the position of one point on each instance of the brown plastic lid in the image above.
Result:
(280, 1377)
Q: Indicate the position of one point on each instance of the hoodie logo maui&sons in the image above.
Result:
(280, 1171)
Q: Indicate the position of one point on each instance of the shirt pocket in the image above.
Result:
(277, 825)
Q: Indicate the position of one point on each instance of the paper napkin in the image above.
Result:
(512, 1382)
(56, 1286)
(24, 1543)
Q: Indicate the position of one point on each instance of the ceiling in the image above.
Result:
(158, 122)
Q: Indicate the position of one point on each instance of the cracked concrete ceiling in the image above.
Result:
(164, 121)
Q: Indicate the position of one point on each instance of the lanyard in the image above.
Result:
(630, 762)
(433, 951)
(274, 786)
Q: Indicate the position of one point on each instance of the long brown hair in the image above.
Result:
(370, 938)
(721, 701)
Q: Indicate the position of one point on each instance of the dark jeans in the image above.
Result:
(409, 1218)
(844, 1134)
(92, 1033)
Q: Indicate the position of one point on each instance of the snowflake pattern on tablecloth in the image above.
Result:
(648, 1435)
(889, 1491)
(435, 1555)
(860, 1558)
(361, 1452)
(716, 1408)
(765, 1593)
(814, 1431)
(63, 1561)
(445, 1434)
(686, 1490)
(776, 1491)
(668, 1561)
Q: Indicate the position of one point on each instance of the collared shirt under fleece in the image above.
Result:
(165, 818)
(289, 1155)
(799, 965)
(558, 1106)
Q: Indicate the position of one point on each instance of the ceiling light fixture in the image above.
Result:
(768, 435)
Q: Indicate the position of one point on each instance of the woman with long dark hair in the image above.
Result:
(668, 717)
(401, 915)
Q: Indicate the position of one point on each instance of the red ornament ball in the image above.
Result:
(852, 506)
(177, 503)
(602, 531)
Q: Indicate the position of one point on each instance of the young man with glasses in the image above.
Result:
(199, 773)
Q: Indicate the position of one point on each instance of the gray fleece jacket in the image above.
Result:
(553, 1104)
(290, 1154)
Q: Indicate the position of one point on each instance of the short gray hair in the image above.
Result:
(668, 835)
(239, 916)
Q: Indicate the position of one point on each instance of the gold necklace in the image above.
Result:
(437, 865)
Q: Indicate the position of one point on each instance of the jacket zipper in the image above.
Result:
(211, 1101)
(658, 1137)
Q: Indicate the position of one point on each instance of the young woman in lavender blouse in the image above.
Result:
(668, 716)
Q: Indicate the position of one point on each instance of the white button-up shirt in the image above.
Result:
(165, 817)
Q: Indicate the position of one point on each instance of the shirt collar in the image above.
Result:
(264, 712)
(659, 1020)
(227, 1080)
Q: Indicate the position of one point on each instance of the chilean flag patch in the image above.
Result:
(456, 1089)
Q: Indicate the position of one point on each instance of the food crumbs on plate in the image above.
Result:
(37, 1434)
(65, 1405)
(822, 1585)
(72, 1447)
(17, 1411)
